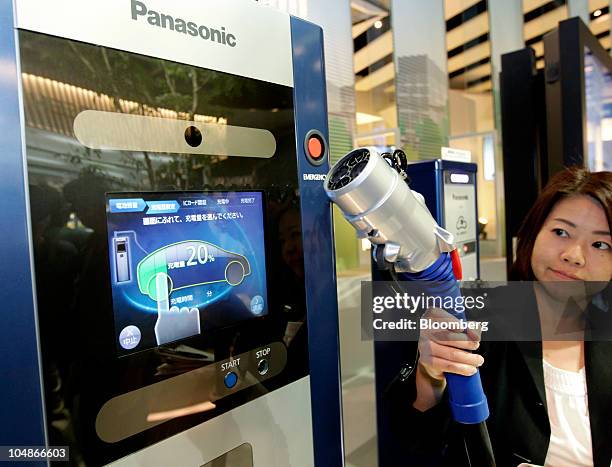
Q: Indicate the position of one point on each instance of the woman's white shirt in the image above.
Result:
(568, 413)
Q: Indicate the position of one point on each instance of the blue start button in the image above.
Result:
(230, 380)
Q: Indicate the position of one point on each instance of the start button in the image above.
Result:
(230, 380)
(315, 147)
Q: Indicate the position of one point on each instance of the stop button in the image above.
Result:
(315, 147)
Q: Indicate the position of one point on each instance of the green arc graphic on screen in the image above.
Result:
(236, 268)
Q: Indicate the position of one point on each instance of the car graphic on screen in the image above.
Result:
(188, 264)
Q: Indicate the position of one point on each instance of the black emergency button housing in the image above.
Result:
(315, 147)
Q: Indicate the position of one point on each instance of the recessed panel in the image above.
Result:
(169, 281)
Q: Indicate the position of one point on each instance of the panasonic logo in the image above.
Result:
(317, 177)
(154, 18)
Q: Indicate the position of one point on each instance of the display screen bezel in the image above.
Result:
(203, 335)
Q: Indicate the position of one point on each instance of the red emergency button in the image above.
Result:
(315, 147)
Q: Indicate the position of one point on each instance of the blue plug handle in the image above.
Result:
(467, 399)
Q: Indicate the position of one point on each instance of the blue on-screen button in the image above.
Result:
(231, 379)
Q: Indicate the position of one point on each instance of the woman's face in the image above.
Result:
(574, 243)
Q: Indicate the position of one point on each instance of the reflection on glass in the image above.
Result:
(598, 90)
(69, 185)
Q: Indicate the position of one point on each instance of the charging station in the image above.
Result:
(171, 295)
(449, 189)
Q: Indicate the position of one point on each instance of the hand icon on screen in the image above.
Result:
(173, 323)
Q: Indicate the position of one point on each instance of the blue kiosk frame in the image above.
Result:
(21, 395)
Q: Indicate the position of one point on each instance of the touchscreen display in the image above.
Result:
(184, 263)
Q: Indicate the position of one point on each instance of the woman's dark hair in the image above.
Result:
(572, 181)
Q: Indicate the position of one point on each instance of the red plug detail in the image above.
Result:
(456, 261)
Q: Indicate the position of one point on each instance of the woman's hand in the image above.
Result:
(443, 351)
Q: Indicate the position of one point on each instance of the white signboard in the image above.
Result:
(236, 36)
(457, 155)
(460, 211)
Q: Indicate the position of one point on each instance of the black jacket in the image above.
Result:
(513, 381)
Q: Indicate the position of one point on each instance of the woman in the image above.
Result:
(549, 400)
